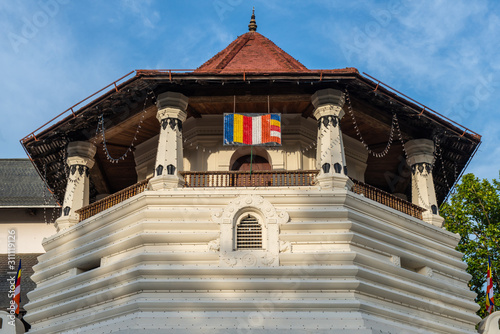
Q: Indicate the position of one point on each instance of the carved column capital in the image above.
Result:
(80, 161)
(328, 102)
(420, 151)
(81, 153)
(171, 105)
(328, 110)
(328, 96)
(171, 113)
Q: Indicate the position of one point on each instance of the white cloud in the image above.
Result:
(439, 52)
(144, 10)
(48, 73)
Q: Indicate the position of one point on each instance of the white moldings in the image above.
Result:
(396, 260)
(250, 201)
(214, 245)
(490, 324)
(285, 246)
(159, 261)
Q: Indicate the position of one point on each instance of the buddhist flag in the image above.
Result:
(252, 129)
(17, 291)
(490, 304)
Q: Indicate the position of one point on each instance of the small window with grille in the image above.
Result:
(249, 233)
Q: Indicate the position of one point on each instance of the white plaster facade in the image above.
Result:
(30, 229)
(164, 262)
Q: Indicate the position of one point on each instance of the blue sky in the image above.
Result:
(444, 54)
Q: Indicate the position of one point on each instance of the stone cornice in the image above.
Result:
(279, 196)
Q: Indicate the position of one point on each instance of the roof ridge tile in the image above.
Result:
(252, 52)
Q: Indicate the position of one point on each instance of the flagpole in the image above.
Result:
(251, 158)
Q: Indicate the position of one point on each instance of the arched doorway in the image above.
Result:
(259, 154)
(251, 171)
(256, 162)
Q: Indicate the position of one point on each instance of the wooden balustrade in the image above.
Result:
(387, 199)
(255, 179)
(271, 178)
(111, 200)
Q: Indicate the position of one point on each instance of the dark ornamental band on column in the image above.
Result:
(420, 167)
(80, 168)
(170, 169)
(66, 210)
(173, 122)
(327, 120)
(159, 170)
(326, 168)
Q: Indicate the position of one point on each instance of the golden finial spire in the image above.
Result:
(253, 25)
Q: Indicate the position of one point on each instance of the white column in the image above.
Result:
(330, 157)
(420, 159)
(80, 160)
(171, 113)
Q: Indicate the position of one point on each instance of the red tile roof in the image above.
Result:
(252, 52)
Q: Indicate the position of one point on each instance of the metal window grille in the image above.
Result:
(249, 233)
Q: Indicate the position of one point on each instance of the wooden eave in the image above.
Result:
(214, 93)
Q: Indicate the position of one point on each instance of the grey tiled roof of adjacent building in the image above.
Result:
(21, 186)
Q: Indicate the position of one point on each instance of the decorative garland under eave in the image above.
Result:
(395, 126)
(46, 201)
(101, 130)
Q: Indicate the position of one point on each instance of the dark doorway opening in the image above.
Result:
(257, 162)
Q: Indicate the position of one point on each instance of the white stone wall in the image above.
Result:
(30, 228)
(333, 261)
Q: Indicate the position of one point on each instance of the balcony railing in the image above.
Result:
(387, 199)
(111, 200)
(271, 178)
(255, 179)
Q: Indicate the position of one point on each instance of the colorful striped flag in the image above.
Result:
(252, 129)
(17, 291)
(490, 304)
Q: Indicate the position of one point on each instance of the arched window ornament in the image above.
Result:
(234, 218)
(248, 233)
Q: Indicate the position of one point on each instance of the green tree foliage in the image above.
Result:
(473, 211)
